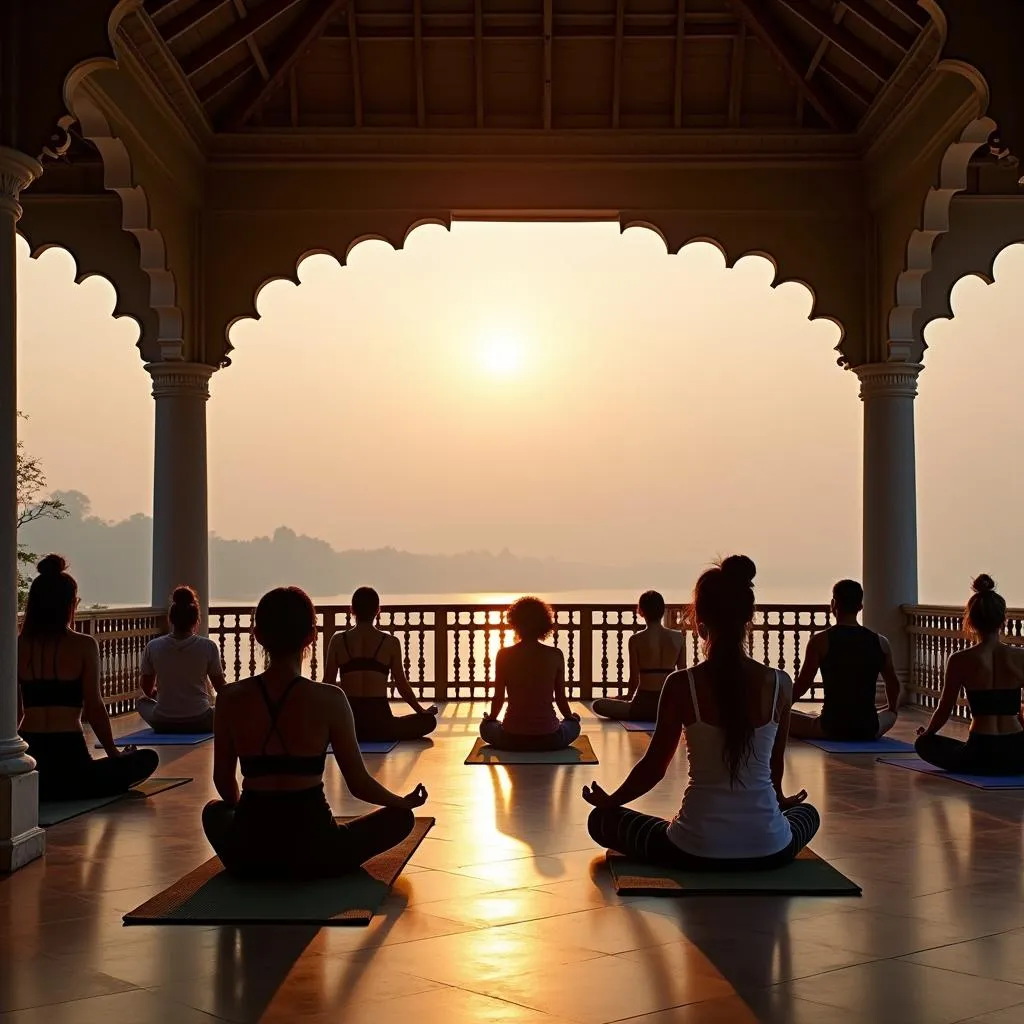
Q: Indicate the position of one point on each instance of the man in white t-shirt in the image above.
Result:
(176, 675)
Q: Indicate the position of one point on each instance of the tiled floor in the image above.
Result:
(506, 915)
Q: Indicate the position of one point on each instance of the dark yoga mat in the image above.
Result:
(581, 752)
(915, 764)
(808, 875)
(885, 745)
(637, 726)
(209, 896)
(53, 812)
(372, 747)
(149, 738)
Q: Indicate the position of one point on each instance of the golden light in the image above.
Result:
(501, 354)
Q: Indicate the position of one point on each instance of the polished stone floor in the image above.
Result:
(506, 915)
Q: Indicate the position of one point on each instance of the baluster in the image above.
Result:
(238, 653)
(471, 660)
(421, 662)
(618, 654)
(219, 629)
(488, 640)
(764, 639)
(604, 650)
(252, 651)
(456, 660)
(570, 664)
(796, 645)
(586, 653)
(406, 647)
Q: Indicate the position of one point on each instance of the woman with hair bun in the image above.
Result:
(532, 676)
(58, 685)
(735, 713)
(991, 674)
(277, 727)
(175, 668)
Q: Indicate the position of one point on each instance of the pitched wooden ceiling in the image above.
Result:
(535, 64)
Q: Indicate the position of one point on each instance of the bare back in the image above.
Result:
(365, 657)
(759, 687)
(654, 653)
(533, 675)
(68, 657)
(986, 667)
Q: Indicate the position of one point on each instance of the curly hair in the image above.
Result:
(531, 618)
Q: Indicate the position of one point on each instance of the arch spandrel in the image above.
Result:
(89, 227)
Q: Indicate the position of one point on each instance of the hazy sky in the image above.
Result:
(556, 389)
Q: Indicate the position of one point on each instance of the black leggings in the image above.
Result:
(375, 722)
(68, 772)
(645, 838)
(980, 755)
(293, 834)
(147, 709)
(495, 735)
(642, 708)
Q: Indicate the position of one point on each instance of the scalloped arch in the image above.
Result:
(676, 246)
(396, 239)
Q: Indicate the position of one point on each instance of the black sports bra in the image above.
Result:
(51, 692)
(364, 664)
(258, 765)
(999, 700)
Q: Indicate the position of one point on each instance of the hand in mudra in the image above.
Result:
(596, 796)
(417, 798)
(785, 802)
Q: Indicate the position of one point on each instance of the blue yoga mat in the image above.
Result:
(148, 738)
(883, 746)
(915, 764)
(638, 726)
(366, 747)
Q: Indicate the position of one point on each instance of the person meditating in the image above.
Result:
(991, 674)
(277, 726)
(851, 658)
(175, 668)
(364, 657)
(532, 675)
(735, 713)
(654, 652)
(58, 683)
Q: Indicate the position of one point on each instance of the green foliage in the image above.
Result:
(32, 484)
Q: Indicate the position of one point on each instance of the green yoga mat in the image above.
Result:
(808, 875)
(53, 812)
(209, 895)
(581, 752)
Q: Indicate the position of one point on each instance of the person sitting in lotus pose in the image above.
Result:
(277, 727)
(531, 676)
(990, 673)
(364, 657)
(735, 714)
(654, 652)
(851, 658)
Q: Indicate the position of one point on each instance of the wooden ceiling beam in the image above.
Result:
(154, 8)
(880, 23)
(357, 78)
(548, 30)
(254, 50)
(237, 33)
(417, 45)
(677, 67)
(761, 23)
(478, 59)
(299, 38)
(182, 23)
(840, 37)
(911, 10)
(848, 85)
(736, 77)
(620, 14)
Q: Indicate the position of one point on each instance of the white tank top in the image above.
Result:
(722, 819)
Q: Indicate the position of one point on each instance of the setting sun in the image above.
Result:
(501, 354)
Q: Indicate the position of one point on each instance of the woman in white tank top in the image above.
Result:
(735, 713)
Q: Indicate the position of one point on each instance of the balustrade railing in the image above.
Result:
(935, 632)
(449, 650)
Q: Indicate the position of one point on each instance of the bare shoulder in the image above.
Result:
(84, 643)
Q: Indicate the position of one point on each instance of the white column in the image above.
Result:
(180, 528)
(21, 838)
(888, 391)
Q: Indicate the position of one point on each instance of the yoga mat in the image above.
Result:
(377, 747)
(148, 738)
(53, 812)
(581, 752)
(209, 895)
(638, 726)
(915, 764)
(883, 746)
(808, 875)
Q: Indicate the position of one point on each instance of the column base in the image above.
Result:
(21, 838)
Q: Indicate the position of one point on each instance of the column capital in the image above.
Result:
(888, 380)
(17, 171)
(174, 377)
